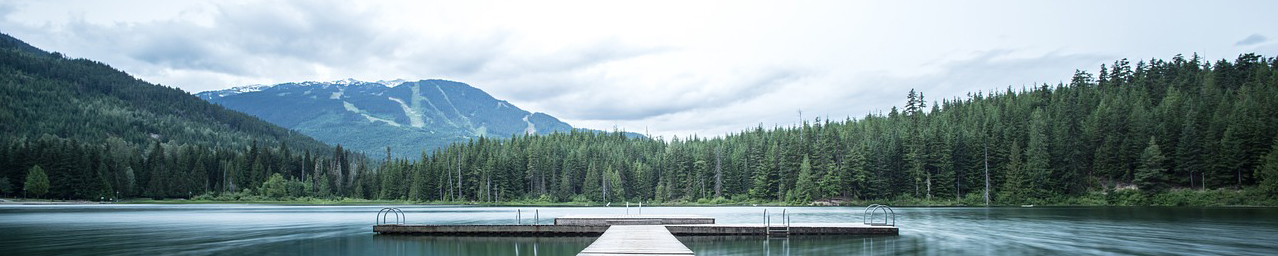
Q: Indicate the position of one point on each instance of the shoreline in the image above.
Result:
(1221, 198)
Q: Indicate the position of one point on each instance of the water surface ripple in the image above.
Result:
(346, 230)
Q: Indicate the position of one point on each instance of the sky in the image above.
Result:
(666, 68)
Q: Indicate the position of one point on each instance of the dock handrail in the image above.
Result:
(519, 217)
(783, 226)
(867, 216)
(385, 213)
(785, 217)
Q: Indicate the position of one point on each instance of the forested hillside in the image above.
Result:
(95, 131)
(78, 129)
(1158, 125)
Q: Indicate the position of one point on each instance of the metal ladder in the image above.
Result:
(783, 230)
(867, 216)
(385, 213)
(519, 217)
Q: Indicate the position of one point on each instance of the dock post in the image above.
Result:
(640, 207)
(517, 220)
(536, 216)
(627, 208)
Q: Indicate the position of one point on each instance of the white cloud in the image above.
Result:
(672, 68)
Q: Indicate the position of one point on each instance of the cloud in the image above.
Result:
(1252, 40)
(777, 99)
(7, 8)
(688, 95)
(538, 76)
(233, 43)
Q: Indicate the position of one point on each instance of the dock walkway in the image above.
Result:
(636, 240)
(642, 234)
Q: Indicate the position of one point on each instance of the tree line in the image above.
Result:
(1183, 124)
(97, 132)
(1152, 127)
(118, 169)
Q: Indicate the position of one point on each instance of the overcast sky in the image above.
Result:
(671, 68)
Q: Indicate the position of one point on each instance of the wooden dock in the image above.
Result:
(636, 240)
(685, 229)
(627, 219)
(793, 229)
(638, 234)
(489, 230)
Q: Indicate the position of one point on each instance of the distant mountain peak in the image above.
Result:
(208, 95)
(409, 116)
(232, 91)
(391, 83)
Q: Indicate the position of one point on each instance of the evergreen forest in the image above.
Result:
(1122, 136)
(1128, 134)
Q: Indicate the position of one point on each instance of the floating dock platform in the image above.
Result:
(639, 234)
(686, 229)
(589, 225)
(627, 219)
(636, 240)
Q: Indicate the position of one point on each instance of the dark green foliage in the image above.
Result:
(1212, 126)
(1150, 177)
(92, 102)
(37, 182)
(1268, 171)
(275, 187)
(1045, 143)
(6, 187)
(98, 133)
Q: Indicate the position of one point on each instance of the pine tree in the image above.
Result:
(856, 171)
(806, 183)
(1037, 167)
(6, 187)
(1191, 152)
(1150, 177)
(1268, 171)
(593, 185)
(37, 182)
(1016, 182)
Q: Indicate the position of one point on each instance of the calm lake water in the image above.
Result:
(347, 230)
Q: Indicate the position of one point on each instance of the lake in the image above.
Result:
(347, 230)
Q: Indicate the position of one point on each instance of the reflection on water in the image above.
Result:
(468, 245)
(347, 230)
(793, 245)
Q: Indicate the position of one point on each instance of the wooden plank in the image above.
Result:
(794, 229)
(610, 219)
(517, 230)
(689, 229)
(636, 240)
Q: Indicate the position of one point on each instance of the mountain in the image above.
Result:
(408, 116)
(45, 93)
(98, 133)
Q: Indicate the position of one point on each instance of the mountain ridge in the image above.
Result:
(137, 111)
(410, 117)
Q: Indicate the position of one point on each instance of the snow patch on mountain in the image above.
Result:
(351, 107)
(391, 83)
(414, 118)
(532, 128)
(233, 91)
